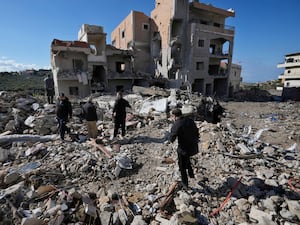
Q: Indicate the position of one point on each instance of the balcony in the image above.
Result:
(213, 28)
(295, 76)
(288, 64)
(97, 58)
(70, 75)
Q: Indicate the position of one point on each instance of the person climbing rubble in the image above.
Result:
(63, 114)
(187, 133)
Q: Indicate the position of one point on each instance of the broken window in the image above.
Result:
(77, 65)
(120, 67)
(199, 65)
(93, 49)
(203, 22)
(145, 26)
(74, 91)
(129, 44)
(212, 49)
(217, 25)
(200, 43)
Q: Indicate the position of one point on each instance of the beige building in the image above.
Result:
(234, 79)
(186, 42)
(70, 67)
(182, 41)
(89, 65)
(290, 77)
(291, 74)
(134, 33)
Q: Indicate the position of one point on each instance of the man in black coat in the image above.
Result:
(49, 86)
(90, 114)
(187, 133)
(119, 113)
(63, 114)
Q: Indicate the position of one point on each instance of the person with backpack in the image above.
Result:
(187, 133)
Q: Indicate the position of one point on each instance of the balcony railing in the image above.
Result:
(211, 24)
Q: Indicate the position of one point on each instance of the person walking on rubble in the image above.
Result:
(63, 114)
(187, 133)
(90, 114)
(49, 86)
(119, 113)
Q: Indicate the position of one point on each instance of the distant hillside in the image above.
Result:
(23, 81)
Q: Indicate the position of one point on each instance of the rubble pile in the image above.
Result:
(247, 170)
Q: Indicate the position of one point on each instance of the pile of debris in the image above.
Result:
(247, 171)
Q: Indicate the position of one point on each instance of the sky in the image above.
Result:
(265, 30)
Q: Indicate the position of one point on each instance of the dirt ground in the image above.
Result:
(282, 118)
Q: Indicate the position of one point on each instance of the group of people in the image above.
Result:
(184, 129)
(64, 113)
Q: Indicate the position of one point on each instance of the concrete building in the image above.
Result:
(89, 65)
(234, 77)
(183, 42)
(70, 67)
(291, 76)
(134, 33)
(188, 42)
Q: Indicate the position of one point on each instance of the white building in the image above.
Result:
(291, 76)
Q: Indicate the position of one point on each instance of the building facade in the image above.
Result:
(188, 43)
(184, 42)
(291, 76)
(89, 65)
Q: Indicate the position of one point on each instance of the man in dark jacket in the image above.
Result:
(90, 114)
(187, 133)
(49, 86)
(119, 113)
(63, 114)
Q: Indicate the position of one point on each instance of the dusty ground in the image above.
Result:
(155, 163)
(281, 117)
(149, 153)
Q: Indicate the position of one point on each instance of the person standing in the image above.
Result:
(90, 114)
(49, 86)
(119, 113)
(187, 133)
(63, 114)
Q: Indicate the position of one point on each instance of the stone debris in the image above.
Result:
(247, 170)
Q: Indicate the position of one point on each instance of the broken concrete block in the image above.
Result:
(32, 221)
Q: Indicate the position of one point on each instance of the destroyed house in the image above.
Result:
(89, 65)
(186, 41)
(183, 42)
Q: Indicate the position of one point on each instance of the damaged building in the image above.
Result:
(89, 65)
(291, 76)
(183, 42)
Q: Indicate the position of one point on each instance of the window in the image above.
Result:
(200, 43)
(120, 67)
(123, 34)
(113, 43)
(77, 65)
(199, 65)
(145, 26)
(74, 91)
